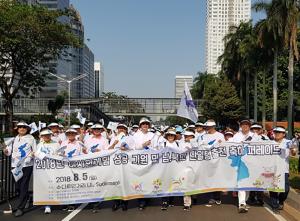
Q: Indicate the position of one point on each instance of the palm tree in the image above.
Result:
(270, 36)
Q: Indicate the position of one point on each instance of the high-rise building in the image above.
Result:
(88, 82)
(220, 16)
(180, 82)
(99, 79)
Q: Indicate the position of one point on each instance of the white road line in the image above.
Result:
(75, 212)
(277, 216)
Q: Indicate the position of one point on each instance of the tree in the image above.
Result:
(30, 37)
(220, 101)
(54, 106)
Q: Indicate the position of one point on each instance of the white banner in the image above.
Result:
(116, 174)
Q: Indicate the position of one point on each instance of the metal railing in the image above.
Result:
(7, 183)
(110, 106)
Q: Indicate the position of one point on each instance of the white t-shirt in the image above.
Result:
(139, 138)
(210, 139)
(72, 149)
(93, 143)
(174, 144)
(22, 147)
(286, 145)
(240, 137)
(47, 148)
(123, 140)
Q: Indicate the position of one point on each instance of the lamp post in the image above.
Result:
(69, 89)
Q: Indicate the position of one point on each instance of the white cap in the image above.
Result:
(191, 126)
(61, 126)
(135, 126)
(122, 125)
(53, 125)
(90, 124)
(171, 132)
(45, 132)
(188, 133)
(75, 126)
(256, 126)
(199, 124)
(228, 132)
(279, 129)
(97, 126)
(210, 123)
(71, 131)
(21, 124)
(143, 120)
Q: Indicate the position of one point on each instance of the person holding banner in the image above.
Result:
(244, 135)
(47, 146)
(72, 147)
(143, 140)
(278, 199)
(123, 142)
(21, 150)
(188, 143)
(96, 142)
(210, 138)
(171, 141)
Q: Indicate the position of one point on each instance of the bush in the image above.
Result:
(294, 165)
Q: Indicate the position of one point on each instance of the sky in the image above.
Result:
(144, 44)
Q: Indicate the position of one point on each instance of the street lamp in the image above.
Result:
(69, 89)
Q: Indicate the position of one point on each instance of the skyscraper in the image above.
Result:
(220, 16)
(179, 84)
(99, 79)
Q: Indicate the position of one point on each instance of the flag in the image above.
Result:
(18, 170)
(33, 127)
(81, 118)
(42, 125)
(187, 108)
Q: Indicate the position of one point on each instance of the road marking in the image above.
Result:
(75, 212)
(277, 216)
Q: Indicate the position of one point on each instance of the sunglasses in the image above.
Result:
(22, 127)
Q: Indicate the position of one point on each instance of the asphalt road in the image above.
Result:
(199, 212)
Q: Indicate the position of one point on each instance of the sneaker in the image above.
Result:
(164, 206)
(218, 202)
(71, 208)
(186, 208)
(210, 203)
(141, 207)
(276, 210)
(115, 207)
(243, 208)
(18, 213)
(280, 207)
(124, 206)
(8, 209)
(47, 210)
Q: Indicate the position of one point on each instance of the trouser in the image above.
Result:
(256, 195)
(22, 186)
(242, 195)
(168, 200)
(143, 202)
(299, 163)
(279, 198)
(187, 200)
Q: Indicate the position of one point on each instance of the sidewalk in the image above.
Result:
(292, 204)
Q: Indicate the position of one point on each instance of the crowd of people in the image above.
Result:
(74, 141)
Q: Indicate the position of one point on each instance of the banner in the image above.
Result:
(116, 174)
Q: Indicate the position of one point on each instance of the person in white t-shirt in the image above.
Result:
(47, 146)
(143, 140)
(56, 135)
(21, 150)
(199, 131)
(210, 138)
(171, 141)
(96, 142)
(188, 143)
(278, 199)
(244, 135)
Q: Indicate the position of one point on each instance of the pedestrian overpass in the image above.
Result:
(95, 106)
